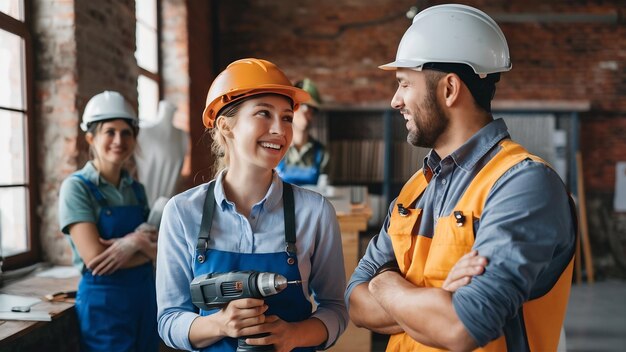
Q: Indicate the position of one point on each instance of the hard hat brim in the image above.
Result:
(297, 95)
(392, 66)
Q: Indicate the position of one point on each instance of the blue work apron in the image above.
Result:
(117, 312)
(302, 175)
(291, 304)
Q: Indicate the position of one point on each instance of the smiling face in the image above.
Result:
(416, 98)
(261, 134)
(113, 142)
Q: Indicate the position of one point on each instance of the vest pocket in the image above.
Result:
(453, 238)
(401, 231)
(404, 225)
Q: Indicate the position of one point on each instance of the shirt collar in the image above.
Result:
(467, 155)
(272, 198)
(93, 175)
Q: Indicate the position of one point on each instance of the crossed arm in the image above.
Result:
(387, 304)
(104, 257)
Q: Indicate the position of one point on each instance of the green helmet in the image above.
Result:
(308, 86)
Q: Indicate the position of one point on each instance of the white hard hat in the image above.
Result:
(453, 33)
(106, 106)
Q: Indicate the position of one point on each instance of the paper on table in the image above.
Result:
(9, 301)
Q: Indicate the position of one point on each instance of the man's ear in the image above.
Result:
(224, 128)
(452, 88)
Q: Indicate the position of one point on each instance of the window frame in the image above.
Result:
(23, 30)
(156, 77)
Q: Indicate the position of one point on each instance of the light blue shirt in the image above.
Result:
(77, 204)
(318, 241)
(526, 231)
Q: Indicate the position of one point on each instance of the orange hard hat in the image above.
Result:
(244, 78)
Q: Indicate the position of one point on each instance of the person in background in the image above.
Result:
(103, 211)
(306, 158)
(257, 222)
(477, 191)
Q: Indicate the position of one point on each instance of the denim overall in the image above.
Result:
(117, 312)
(302, 175)
(290, 305)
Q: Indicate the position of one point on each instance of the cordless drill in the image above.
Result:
(215, 290)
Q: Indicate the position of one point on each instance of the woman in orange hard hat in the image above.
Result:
(247, 218)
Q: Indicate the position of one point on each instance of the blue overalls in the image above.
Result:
(117, 312)
(290, 305)
(302, 175)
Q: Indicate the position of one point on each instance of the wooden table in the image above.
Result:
(350, 224)
(60, 334)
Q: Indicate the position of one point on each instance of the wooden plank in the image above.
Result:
(582, 218)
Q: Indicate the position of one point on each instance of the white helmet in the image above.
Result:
(453, 33)
(106, 106)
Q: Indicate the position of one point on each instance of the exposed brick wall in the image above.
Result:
(55, 107)
(336, 43)
(82, 48)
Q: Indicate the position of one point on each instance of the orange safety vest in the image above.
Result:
(426, 262)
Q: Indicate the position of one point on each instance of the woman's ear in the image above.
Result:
(224, 128)
(452, 88)
(89, 138)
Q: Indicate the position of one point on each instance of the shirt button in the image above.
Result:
(443, 182)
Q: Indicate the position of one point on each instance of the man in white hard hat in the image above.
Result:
(478, 192)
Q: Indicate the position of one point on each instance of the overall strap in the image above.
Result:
(209, 210)
(205, 226)
(140, 195)
(289, 210)
(412, 190)
(94, 190)
(319, 154)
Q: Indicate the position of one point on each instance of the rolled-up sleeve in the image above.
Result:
(176, 312)
(527, 232)
(379, 251)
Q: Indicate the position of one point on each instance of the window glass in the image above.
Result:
(12, 148)
(148, 99)
(13, 205)
(13, 8)
(147, 50)
(146, 13)
(11, 71)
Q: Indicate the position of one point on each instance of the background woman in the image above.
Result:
(101, 208)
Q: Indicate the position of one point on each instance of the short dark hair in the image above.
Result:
(483, 89)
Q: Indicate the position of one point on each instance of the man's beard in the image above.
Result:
(432, 124)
